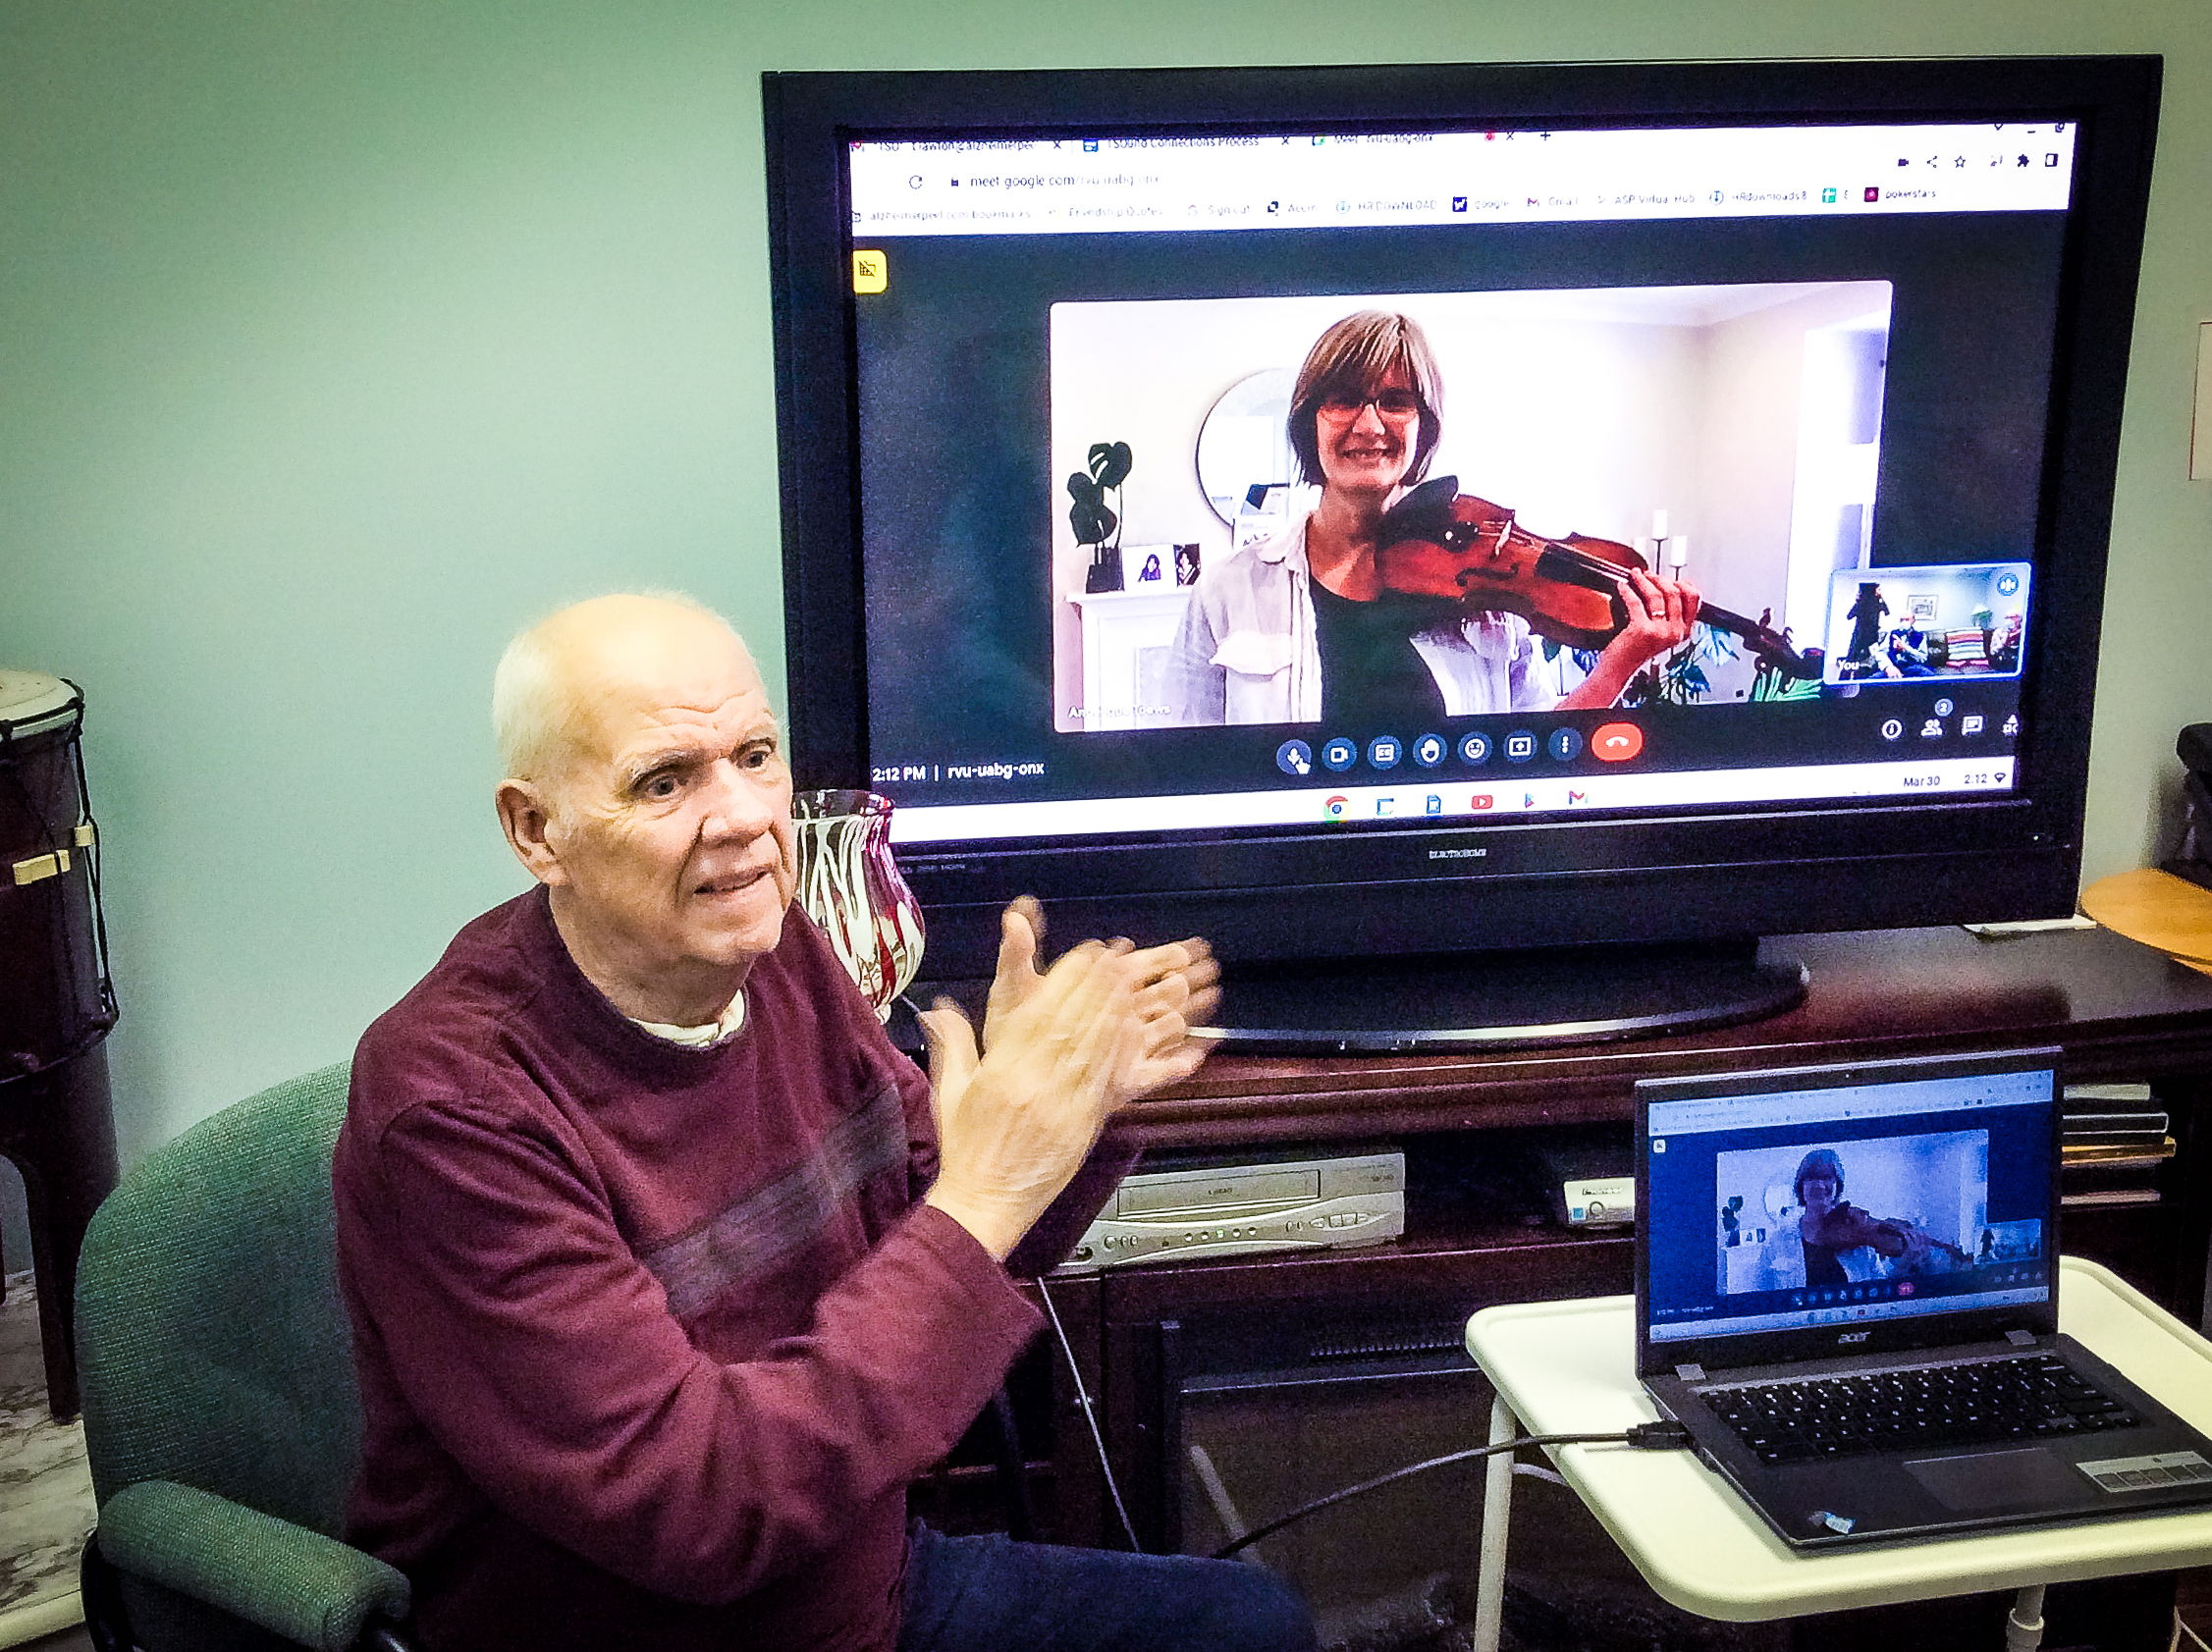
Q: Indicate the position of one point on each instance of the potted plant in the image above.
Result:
(1093, 520)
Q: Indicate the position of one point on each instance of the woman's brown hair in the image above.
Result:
(1352, 360)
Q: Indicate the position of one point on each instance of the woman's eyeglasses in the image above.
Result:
(1390, 403)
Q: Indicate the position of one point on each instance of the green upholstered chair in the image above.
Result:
(221, 1414)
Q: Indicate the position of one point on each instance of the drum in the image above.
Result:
(56, 996)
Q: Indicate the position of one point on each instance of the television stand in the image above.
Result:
(1502, 1000)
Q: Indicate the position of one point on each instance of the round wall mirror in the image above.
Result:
(1242, 445)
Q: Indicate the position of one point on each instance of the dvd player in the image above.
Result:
(1253, 1206)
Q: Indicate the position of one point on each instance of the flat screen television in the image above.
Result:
(1101, 396)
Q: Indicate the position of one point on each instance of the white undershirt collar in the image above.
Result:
(700, 1038)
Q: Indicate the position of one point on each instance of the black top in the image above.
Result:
(1372, 680)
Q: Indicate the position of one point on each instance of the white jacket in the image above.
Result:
(1247, 651)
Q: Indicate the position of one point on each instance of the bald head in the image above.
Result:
(557, 680)
(646, 788)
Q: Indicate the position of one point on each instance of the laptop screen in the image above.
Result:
(1819, 1197)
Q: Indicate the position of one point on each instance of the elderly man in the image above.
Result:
(667, 1271)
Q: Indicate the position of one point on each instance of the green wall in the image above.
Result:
(339, 341)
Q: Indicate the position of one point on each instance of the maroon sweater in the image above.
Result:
(652, 1339)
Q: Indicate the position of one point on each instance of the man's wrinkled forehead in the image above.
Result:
(637, 689)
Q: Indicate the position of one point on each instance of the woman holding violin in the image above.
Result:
(1303, 627)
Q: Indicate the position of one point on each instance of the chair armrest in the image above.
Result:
(288, 1579)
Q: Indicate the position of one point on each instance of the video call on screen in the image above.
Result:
(1819, 1208)
(1749, 352)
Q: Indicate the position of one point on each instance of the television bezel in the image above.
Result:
(1774, 870)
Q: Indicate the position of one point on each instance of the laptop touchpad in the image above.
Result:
(1997, 1479)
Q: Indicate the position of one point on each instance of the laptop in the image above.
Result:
(1847, 1290)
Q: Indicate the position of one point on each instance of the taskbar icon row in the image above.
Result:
(1611, 742)
(1339, 806)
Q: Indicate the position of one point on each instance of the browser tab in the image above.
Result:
(1234, 183)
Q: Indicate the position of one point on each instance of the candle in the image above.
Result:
(1678, 551)
(1658, 524)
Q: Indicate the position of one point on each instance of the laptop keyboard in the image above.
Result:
(2029, 1397)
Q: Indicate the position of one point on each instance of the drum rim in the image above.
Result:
(42, 714)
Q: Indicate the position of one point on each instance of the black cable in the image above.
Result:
(1089, 1407)
(1646, 1436)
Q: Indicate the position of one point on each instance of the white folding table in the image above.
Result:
(1568, 1368)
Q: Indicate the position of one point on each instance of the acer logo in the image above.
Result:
(1855, 1336)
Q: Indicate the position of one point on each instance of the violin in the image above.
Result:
(1439, 542)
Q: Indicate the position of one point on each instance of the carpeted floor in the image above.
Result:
(45, 1489)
